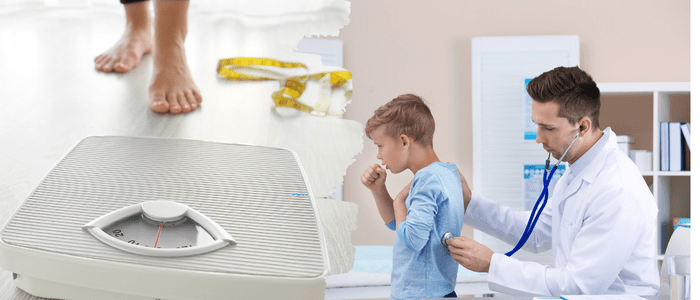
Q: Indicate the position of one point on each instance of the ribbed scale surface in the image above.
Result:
(248, 190)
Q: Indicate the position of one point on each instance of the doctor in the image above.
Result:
(600, 221)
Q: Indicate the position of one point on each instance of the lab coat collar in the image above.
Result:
(583, 163)
(587, 167)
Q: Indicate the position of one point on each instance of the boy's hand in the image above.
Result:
(403, 194)
(400, 211)
(373, 177)
(466, 191)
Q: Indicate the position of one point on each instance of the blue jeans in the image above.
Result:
(451, 295)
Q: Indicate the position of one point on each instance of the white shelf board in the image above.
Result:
(673, 173)
(666, 173)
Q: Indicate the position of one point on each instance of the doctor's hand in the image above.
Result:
(470, 254)
(374, 177)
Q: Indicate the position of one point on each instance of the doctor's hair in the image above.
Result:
(572, 88)
(406, 114)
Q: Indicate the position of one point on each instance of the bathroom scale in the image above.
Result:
(157, 218)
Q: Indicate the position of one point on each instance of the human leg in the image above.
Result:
(172, 88)
(134, 43)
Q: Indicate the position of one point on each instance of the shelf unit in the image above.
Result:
(661, 94)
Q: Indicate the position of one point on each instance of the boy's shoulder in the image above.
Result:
(440, 180)
(440, 170)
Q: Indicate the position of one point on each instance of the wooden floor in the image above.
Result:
(51, 97)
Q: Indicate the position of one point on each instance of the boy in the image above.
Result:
(403, 132)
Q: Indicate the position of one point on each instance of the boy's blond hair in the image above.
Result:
(406, 114)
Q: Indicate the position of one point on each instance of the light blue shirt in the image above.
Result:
(422, 266)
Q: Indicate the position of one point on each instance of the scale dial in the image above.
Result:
(159, 228)
(140, 231)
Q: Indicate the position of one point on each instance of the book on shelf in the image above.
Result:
(685, 128)
(663, 132)
(681, 222)
(673, 146)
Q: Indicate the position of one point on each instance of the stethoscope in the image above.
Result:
(542, 199)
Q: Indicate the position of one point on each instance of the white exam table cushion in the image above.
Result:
(372, 267)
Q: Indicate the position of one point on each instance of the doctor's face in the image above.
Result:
(390, 150)
(553, 132)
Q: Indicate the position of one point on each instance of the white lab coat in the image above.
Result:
(601, 226)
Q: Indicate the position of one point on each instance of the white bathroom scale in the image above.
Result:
(157, 218)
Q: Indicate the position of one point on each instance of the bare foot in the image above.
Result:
(126, 53)
(172, 88)
(133, 45)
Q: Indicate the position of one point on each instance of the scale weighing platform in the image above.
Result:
(156, 218)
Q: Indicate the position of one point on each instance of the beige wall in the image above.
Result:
(424, 47)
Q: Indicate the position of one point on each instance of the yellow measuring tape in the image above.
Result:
(291, 86)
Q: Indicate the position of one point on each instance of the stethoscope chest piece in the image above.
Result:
(446, 237)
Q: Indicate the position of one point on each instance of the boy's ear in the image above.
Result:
(404, 140)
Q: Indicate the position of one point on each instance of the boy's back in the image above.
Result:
(422, 266)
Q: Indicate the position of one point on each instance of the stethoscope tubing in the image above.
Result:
(545, 194)
(539, 208)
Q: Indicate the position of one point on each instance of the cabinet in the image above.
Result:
(636, 109)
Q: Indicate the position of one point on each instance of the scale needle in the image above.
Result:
(158, 237)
